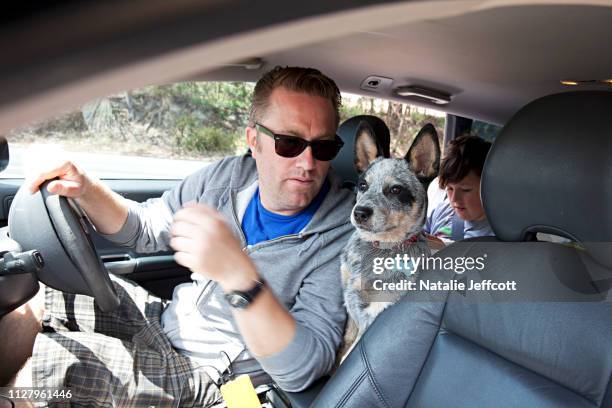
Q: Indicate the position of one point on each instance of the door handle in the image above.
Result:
(119, 264)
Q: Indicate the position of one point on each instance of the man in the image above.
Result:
(461, 215)
(268, 228)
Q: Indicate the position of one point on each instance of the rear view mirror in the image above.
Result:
(4, 153)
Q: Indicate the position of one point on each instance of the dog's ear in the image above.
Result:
(367, 148)
(424, 154)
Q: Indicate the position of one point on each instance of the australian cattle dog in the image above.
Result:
(389, 214)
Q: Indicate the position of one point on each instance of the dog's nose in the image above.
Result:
(362, 214)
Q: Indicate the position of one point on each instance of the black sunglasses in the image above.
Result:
(292, 146)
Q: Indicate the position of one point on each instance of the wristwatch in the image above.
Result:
(242, 299)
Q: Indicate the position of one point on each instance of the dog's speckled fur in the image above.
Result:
(394, 194)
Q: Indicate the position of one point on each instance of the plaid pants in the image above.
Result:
(117, 359)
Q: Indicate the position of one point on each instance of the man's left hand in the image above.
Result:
(205, 244)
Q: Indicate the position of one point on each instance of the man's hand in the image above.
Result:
(73, 182)
(205, 244)
(106, 209)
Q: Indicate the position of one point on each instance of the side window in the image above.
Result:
(157, 132)
(404, 121)
(486, 131)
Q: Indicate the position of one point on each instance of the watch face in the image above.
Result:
(237, 301)
(241, 300)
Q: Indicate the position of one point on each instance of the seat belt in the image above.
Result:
(457, 228)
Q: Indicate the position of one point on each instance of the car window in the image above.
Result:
(170, 131)
(166, 131)
(404, 120)
(486, 131)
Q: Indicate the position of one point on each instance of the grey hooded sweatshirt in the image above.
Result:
(302, 270)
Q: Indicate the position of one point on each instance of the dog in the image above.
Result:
(389, 214)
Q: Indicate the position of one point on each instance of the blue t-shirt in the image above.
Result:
(259, 224)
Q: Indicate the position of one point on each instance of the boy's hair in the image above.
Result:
(463, 154)
(305, 80)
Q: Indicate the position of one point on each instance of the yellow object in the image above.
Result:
(240, 393)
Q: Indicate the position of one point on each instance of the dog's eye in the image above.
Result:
(396, 189)
(362, 186)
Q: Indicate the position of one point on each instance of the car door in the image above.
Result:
(157, 272)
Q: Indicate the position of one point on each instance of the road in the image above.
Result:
(111, 166)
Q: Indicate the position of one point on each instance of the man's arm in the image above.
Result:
(143, 226)
(106, 209)
(266, 326)
(295, 348)
(320, 319)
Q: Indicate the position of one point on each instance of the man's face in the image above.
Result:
(464, 196)
(288, 185)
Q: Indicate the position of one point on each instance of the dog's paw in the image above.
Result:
(373, 310)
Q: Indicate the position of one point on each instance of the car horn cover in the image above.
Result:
(56, 227)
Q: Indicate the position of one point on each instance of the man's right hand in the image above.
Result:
(106, 209)
(73, 182)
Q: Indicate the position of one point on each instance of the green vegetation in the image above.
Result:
(191, 136)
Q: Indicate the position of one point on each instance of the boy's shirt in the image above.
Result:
(440, 224)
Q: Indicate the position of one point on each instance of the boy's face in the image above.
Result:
(464, 197)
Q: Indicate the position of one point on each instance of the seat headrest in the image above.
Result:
(550, 170)
(344, 163)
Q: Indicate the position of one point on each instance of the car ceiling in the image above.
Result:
(492, 57)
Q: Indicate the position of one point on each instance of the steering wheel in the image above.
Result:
(58, 228)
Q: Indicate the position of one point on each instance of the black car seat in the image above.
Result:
(344, 163)
(546, 344)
